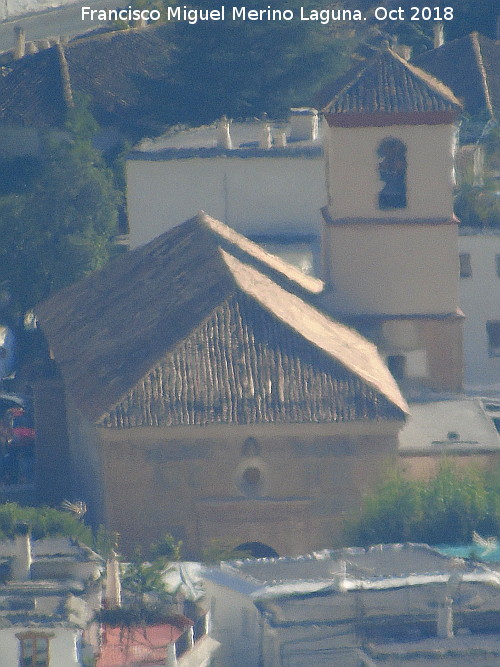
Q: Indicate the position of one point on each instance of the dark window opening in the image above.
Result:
(392, 170)
(256, 550)
(493, 331)
(396, 363)
(251, 476)
(465, 265)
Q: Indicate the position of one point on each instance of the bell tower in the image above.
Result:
(390, 239)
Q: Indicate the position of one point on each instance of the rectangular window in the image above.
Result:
(497, 264)
(465, 265)
(33, 650)
(493, 331)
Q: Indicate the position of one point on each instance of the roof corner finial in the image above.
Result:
(66, 81)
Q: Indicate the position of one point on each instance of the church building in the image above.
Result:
(206, 397)
(208, 391)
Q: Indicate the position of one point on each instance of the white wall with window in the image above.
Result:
(39, 647)
(480, 302)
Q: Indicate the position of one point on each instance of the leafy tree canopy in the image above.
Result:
(468, 16)
(246, 68)
(59, 228)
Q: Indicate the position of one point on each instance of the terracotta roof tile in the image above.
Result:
(470, 66)
(181, 331)
(389, 84)
(122, 72)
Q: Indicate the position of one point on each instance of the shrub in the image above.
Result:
(445, 509)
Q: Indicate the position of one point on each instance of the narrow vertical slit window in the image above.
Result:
(465, 265)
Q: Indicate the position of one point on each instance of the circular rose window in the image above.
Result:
(251, 476)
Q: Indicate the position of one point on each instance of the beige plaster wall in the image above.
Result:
(189, 482)
(86, 464)
(392, 269)
(426, 467)
(353, 178)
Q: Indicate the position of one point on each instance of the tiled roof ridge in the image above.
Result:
(65, 77)
(476, 46)
(293, 274)
(359, 70)
(434, 83)
(311, 327)
(149, 401)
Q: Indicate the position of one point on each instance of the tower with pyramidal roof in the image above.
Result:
(390, 239)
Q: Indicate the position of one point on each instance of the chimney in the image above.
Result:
(20, 43)
(303, 124)
(113, 583)
(265, 139)
(280, 139)
(340, 578)
(21, 563)
(171, 660)
(224, 134)
(438, 34)
(31, 47)
(445, 619)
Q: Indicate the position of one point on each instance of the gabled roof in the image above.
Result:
(122, 72)
(470, 66)
(387, 84)
(185, 331)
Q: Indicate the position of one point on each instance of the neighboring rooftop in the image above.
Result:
(386, 84)
(48, 588)
(449, 427)
(202, 326)
(470, 67)
(122, 73)
(380, 567)
(245, 138)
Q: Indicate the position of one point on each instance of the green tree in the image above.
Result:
(445, 509)
(479, 205)
(60, 229)
(44, 522)
(245, 68)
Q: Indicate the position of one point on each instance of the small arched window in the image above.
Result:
(251, 447)
(392, 169)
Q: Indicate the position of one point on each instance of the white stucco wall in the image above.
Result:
(480, 301)
(354, 182)
(253, 195)
(393, 269)
(235, 624)
(62, 646)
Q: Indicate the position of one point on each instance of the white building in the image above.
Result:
(258, 178)
(352, 607)
(48, 601)
(480, 301)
